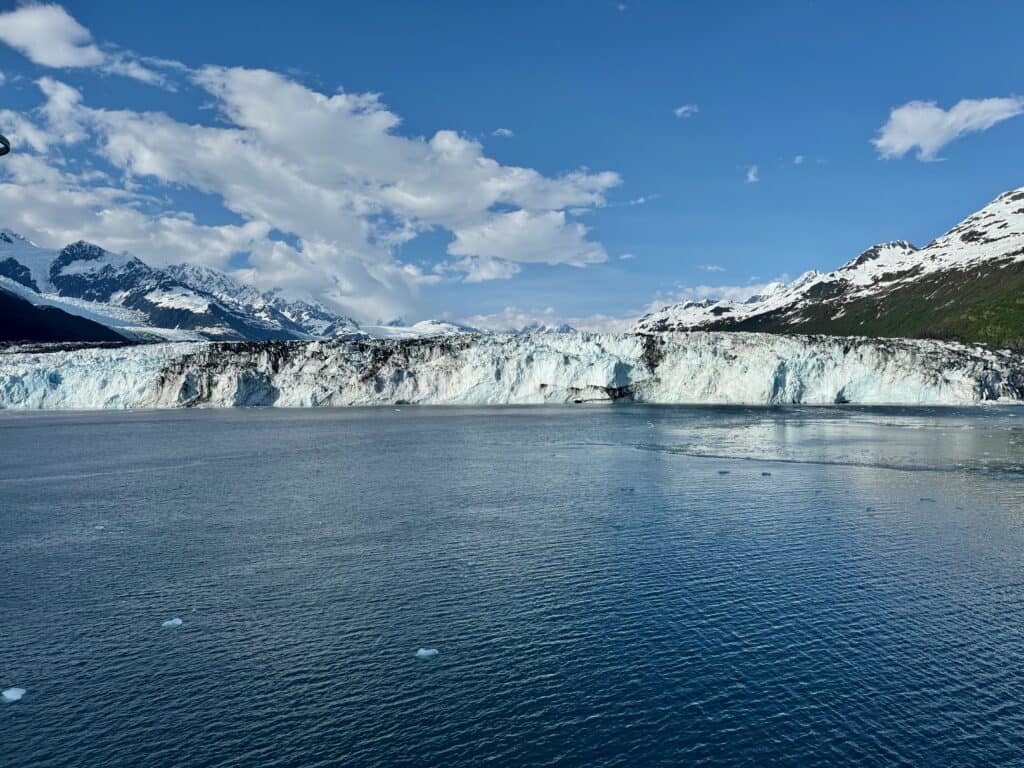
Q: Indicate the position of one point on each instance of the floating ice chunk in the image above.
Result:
(175, 622)
(12, 695)
(427, 653)
(100, 527)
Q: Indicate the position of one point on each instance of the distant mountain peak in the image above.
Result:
(966, 284)
(11, 237)
(190, 299)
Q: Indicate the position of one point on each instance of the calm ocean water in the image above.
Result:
(618, 586)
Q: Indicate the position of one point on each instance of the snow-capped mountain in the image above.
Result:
(698, 367)
(968, 284)
(23, 262)
(539, 327)
(422, 329)
(143, 303)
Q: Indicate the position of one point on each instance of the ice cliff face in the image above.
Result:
(699, 367)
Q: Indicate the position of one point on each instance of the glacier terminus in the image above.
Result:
(483, 369)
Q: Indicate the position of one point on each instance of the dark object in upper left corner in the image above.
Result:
(5, 145)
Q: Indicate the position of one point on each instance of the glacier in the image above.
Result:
(672, 367)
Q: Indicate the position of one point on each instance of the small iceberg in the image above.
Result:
(12, 695)
(175, 622)
(427, 653)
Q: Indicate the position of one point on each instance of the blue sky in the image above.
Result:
(589, 92)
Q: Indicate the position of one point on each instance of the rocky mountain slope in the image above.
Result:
(967, 285)
(144, 303)
(20, 320)
(491, 369)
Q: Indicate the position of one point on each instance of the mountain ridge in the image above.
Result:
(965, 285)
(144, 303)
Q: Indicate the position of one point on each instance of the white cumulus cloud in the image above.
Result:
(328, 171)
(527, 236)
(752, 177)
(928, 128)
(48, 35)
(51, 37)
(686, 110)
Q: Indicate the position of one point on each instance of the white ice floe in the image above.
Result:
(175, 622)
(12, 694)
(426, 653)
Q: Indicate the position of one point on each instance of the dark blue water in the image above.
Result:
(605, 586)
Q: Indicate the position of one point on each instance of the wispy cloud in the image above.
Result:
(752, 177)
(711, 268)
(504, 133)
(798, 160)
(924, 125)
(50, 37)
(685, 111)
(626, 257)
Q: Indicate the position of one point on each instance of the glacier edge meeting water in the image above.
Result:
(667, 368)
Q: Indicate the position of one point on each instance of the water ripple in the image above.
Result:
(593, 604)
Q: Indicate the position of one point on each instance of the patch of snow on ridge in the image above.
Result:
(115, 261)
(179, 297)
(37, 260)
(421, 330)
(878, 261)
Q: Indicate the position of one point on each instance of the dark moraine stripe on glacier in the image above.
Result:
(374, 366)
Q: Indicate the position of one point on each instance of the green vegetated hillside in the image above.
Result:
(966, 285)
(984, 305)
